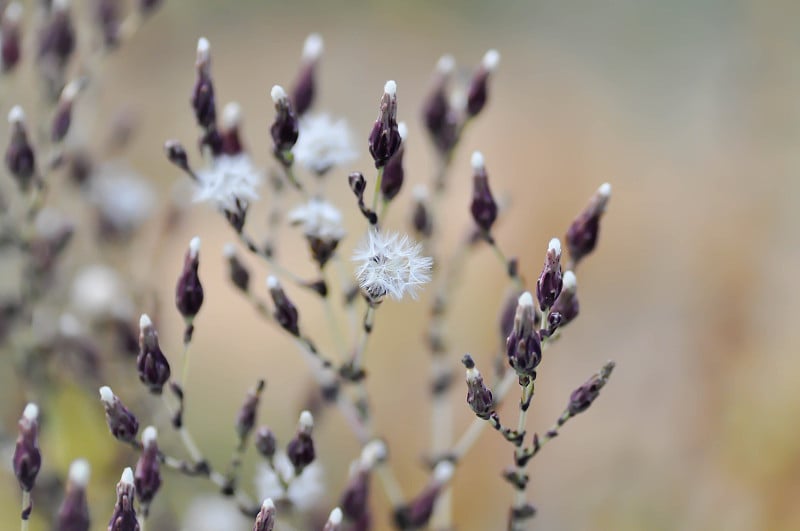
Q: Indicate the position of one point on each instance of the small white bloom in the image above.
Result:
(230, 178)
(319, 219)
(123, 199)
(390, 264)
(98, 292)
(304, 491)
(323, 143)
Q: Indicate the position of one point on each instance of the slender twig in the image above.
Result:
(26, 510)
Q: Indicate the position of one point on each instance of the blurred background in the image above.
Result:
(690, 111)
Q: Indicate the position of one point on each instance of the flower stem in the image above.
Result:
(26, 510)
(377, 191)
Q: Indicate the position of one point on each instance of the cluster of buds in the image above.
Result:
(385, 139)
(124, 516)
(123, 424)
(27, 458)
(416, 513)
(354, 501)
(300, 449)
(153, 366)
(147, 477)
(73, 515)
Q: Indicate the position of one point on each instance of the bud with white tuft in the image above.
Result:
(305, 86)
(479, 396)
(230, 135)
(483, 207)
(567, 305)
(478, 92)
(203, 100)
(123, 424)
(147, 477)
(285, 128)
(265, 520)
(73, 515)
(124, 516)
(300, 449)
(20, 157)
(393, 171)
(189, 290)
(384, 139)
(583, 233)
(11, 36)
(27, 457)
(548, 286)
(334, 522)
(151, 363)
(417, 513)
(524, 346)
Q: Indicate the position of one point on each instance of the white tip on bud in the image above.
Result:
(268, 505)
(336, 517)
(604, 190)
(60, 5)
(231, 115)
(526, 299)
(402, 128)
(16, 115)
(306, 420)
(31, 412)
(420, 192)
(229, 250)
(203, 50)
(473, 374)
(70, 90)
(554, 246)
(69, 326)
(477, 161)
(273, 282)
(144, 321)
(372, 453)
(446, 64)
(278, 94)
(79, 472)
(107, 395)
(13, 12)
(149, 436)
(390, 88)
(194, 247)
(313, 47)
(127, 477)
(443, 472)
(490, 60)
(570, 283)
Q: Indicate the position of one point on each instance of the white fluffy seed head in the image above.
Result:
(477, 161)
(443, 472)
(570, 283)
(336, 517)
(526, 299)
(13, 12)
(313, 47)
(145, 322)
(149, 436)
(273, 282)
(605, 190)
(31, 412)
(278, 94)
(203, 50)
(194, 247)
(390, 88)
(16, 115)
(402, 128)
(231, 115)
(79, 472)
(229, 250)
(446, 64)
(306, 420)
(554, 246)
(373, 452)
(127, 477)
(107, 395)
(490, 60)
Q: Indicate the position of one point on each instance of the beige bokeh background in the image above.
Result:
(689, 110)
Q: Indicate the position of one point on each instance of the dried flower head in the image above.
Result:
(230, 181)
(324, 143)
(319, 219)
(303, 491)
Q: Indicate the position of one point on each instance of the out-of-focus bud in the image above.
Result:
(355, 498)
(63, 117)
(437, 107)
(479, 86)
(146, 7)
(11, 36)
(124, 516)
(582, 397)
(123, 424)
(567, 302)
(73, 515)
(153, 366)
(300, 449)
(524, 346)
(203, 101)
(284, 128)
(549, 284)
(305, 86)
(384, 139)
(285, 312)
(421, 218)
(107, 14)
(27, 458)
(418, 511)
(265, 520)
(189, 290)
(582, 234)
(393, 172)
(20, 157)
(176, 154)
(246, 418)
(57, 40)
(237, 272)
(230, 134)
(265, 442)
(147, 477)
(483, 207)
(479, 397)
(334, 522)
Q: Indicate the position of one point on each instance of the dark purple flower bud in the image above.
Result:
(437, 107)
(300, 450)
(524, 346)
(421, 218)
(120, 420)
(146, 7)
(549, 284)
(334, 522)
(285, 312)
(57, 40)
(582, 397)
(284, 128)
(507, 313)
(237, 272)
(418, 511)
(124, 516)
(27, 458)
(73, 515)
(246, 418)
(63, 117)
(483, 207)
(20, 157)
(384, 140)
(189, 291)
(152, 364)
(176, 154)
(107, 14)
(236, 218)
(393, 172)
(478, 91)
(11, 36)
(203, 102)
(305, 86)
(147, 477)
(479, 397)
(355, 498)
(265, 442)
(265, 519)
(582, 234)
(567, 302)
(230, 140)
